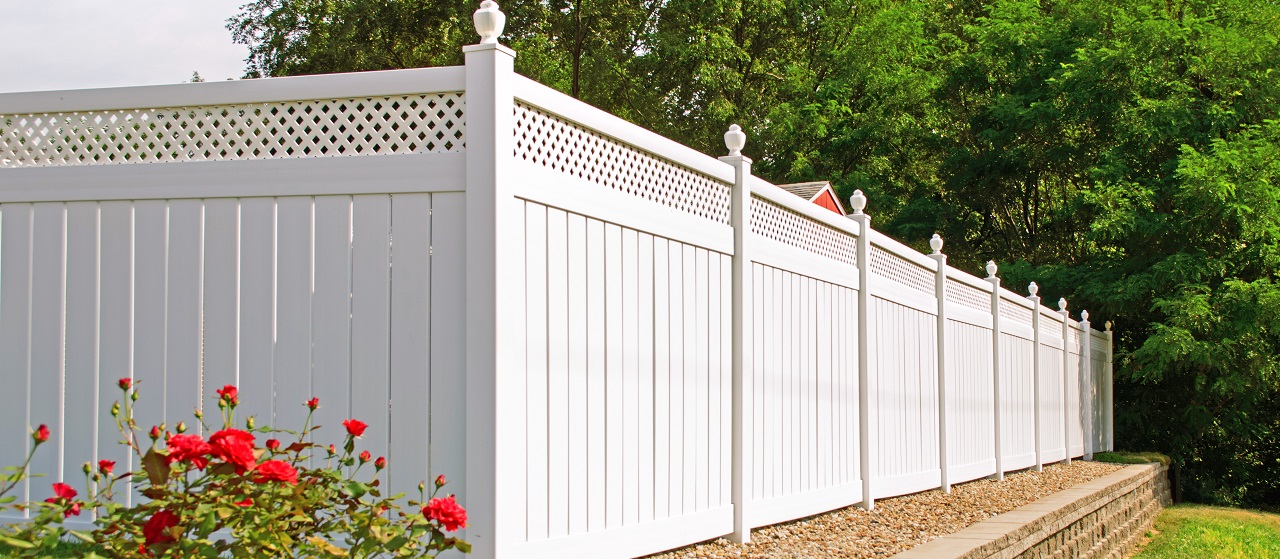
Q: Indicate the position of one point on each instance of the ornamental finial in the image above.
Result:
(1084, 315)
(991, 269)
(1108, 325)
(489, 21)
(735, 139)
(858, 201)
(935, 243)
(1062, 304)
(1033, 289)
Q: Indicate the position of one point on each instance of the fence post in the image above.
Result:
(940, 292)
(1107, 410)
(995, 364)
(495, 359)
(1086, 380)
(858, 202)
(1033, 290)
(1066, 361)
(740, 219)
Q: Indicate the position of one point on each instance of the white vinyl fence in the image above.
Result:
(611, 344)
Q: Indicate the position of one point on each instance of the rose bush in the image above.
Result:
(226, 496)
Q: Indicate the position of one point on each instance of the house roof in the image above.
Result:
(818, 192)
(806, 190)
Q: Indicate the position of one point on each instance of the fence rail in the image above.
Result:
(628, 346)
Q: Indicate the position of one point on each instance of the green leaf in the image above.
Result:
(16, 543)
(156, 467)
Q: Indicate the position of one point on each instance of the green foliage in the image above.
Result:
(1193, 532)
(1124, 457)
(1122, 154)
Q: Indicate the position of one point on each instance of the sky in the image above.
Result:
(77, 44)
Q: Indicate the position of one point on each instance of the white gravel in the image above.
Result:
(898, 523)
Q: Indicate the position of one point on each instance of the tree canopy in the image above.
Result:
(1124, 154)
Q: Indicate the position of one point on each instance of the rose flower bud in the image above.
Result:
(440, 481)
(124, 383)
(106, 466)
(380, 463)
(41, 434)
(313, 403)
(273, 445)
(365, 457)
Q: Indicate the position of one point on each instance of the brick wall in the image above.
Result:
(1102, 518)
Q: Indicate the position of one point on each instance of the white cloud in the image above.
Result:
(75, 44)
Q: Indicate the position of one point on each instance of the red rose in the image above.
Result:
(230, 394)
(247, 502)
(365, 457)
(313, 403)
(188, 448)
(440, 480)
(156, 530)
(124, 383)
(41, 434)
(64, 493)
(276, 470)
(447, 512)
(355, 427)
(106, 466)
(273, 444)
(380, 463)
(234, 447)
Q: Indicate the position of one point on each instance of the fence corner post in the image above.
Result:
(1086, 381)
(1066, 363)
(740, 220)
(858, 202)
(495, 359)
(1033, 291)
(940, 293)
(1108, 371)
(995, 366)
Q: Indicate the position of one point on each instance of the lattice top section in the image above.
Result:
(1015, 312)
(967, 295)
(888, 265)
(775, 222)
(434, 122)
(561, 145)
(1050, 327)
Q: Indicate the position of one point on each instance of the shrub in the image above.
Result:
(228, 495)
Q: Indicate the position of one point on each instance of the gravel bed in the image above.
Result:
(898, 523)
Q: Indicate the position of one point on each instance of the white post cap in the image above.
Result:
(1108, 325)
(1084, 316)
(735, 139)
(1033, 289)
(858, 201)
(991, 269)
(1062, 304)
(489, 21)
(935, 243)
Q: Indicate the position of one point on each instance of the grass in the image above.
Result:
(64, 549)
(1123, 457)
(1196, 531)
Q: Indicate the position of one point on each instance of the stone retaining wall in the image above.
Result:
(1101, 518)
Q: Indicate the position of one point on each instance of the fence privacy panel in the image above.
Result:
(611, 344)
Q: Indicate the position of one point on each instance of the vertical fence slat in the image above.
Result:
(595, 420)
(557, 366)
(116, 327)
(257, 310)
(411, 372)
(371, 319)
(47, 371)
(151, 239)
(662, 352)
(15, 332)
(294, 232)
(646, 349)
(221, 297)
(448, 366)
(613, 375)
(81, 394)
(577, 292)
(541, 515)
(630, 380)
(331, 315)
